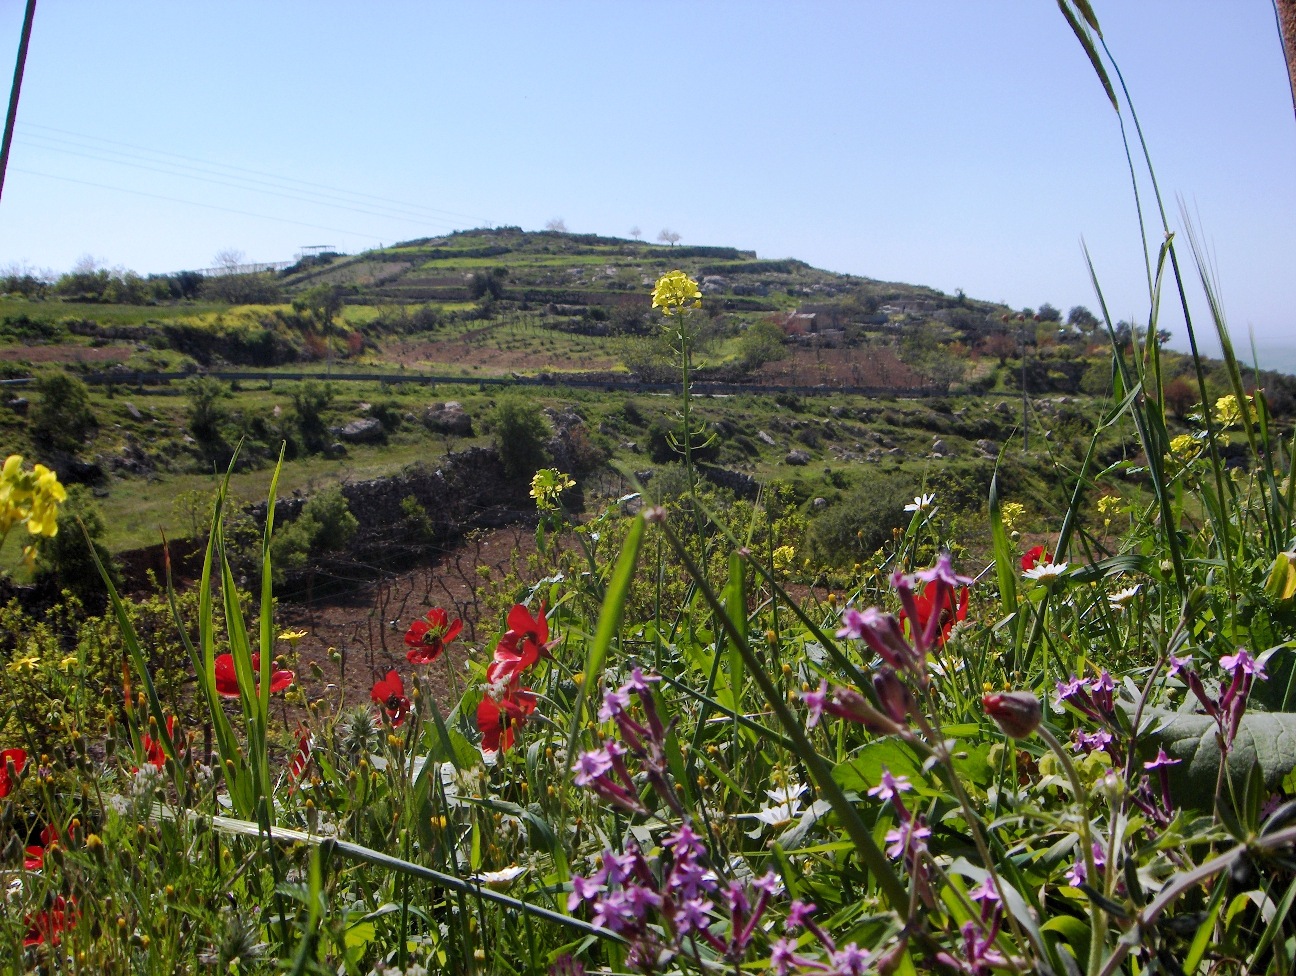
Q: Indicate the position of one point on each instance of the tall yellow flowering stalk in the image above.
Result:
(31, 498)
(678, 295)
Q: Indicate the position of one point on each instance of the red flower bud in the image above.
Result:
(1017, 713)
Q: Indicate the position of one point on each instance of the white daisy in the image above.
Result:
(921, 503)
(1122, 597)
(1046, 572)
(501, 878)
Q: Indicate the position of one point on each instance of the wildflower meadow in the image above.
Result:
(979, 753)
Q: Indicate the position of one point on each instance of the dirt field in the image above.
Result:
(68, 353)
(368, 625)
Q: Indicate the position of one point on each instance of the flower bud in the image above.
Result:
(1017, 713)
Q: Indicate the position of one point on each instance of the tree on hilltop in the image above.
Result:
(668, 236)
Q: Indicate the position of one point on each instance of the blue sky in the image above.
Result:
(955, 145)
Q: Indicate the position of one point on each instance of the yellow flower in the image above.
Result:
(30, 497)
(20, 664)
(547, 485)
(1227, 411)
(292, 636)
(676, 292)
(783, 557)
(1011, 513)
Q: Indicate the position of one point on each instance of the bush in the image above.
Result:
(62, 417)
(64, 560)
(858, 526)
(310, 400)
(519, 433)
(325, 525)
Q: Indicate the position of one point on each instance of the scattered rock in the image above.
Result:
(988, 447)
(797, 458)
(940, 448)
(18, 404)
(336, 450)
(820, 503)
(765, 438)
(134, 411)
(364, 431)
(448, 418)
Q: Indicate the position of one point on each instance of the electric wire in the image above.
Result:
(193, 203)
(400, 204)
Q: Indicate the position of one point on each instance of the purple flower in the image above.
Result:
(592, 765)
(1071, 688)
(692, 915)
(583, 890)
(815, 703)
(639, 683)
(783, 956)
(985, 893)
(1161, 760)
(849, 960)
(614, 703)
(944, 571)
(1092, 741)
(908, 837)
(798, 914)
(1178, 664)
(685, 843)
(890, 786)
(1243, 663)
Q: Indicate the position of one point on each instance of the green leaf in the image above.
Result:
(609, 624)
(1005, 559)
(1086, 42)
(1265, 740)
(865, 769)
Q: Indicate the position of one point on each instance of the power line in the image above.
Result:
(194, 203)
(423, 221)
(401, 204)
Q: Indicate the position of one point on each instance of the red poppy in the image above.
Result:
(154, 752)
(389, 693)
(34, 854)
(428, 636)
(47, 925)
(301, 759)
(227, 678)
(498, 719)
(524, 643)
(19, 759)
(1034, 556)
(949, 614)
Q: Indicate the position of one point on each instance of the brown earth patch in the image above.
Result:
(472, 350)
(68, 353)
(367, 624)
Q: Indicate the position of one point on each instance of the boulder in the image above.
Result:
(765, 438)
(797, 458)
(448, 418)
(364, 431)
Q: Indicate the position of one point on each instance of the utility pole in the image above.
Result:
(12, 115)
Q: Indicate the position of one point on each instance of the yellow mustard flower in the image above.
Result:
(783, 557)
(1228, 413)
(20, 664)
(547, 485)
(676, 292)
(1012, 514)
(29, 497)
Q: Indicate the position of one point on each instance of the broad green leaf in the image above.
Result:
(1266, 740)
(865, 769)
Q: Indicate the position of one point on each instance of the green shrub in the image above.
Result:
(519, 431)
(325, 525)
(863, 521)
(64, 559)
(62, 417)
